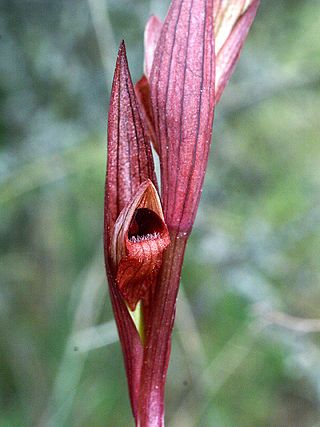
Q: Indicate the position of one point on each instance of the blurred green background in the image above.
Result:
(242, 354)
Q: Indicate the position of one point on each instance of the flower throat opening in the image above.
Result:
(145, 225)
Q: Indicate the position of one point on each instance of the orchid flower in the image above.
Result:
(188, 62)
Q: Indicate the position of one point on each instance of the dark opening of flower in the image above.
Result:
(140, 236)
(145, 225)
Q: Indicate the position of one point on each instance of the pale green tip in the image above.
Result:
(137, 317)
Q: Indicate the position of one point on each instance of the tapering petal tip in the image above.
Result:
(235, 20)
(130, 159)
(122, 46)
(151, 36)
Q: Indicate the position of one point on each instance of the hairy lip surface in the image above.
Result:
(137, 239)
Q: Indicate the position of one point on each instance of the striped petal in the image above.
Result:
(130, 159)
(142, 89)
(182, 95)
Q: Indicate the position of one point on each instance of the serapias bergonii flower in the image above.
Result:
(188, 62)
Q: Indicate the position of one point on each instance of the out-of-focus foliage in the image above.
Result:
(254, 251)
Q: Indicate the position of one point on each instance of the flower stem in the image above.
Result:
(158, 343)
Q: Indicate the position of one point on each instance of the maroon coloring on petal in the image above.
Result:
(142, 89)
(182, 95)
(130, 159)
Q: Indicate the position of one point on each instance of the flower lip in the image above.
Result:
(139, 239)
(146, 239)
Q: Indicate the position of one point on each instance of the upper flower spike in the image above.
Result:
(183, 98)
(233, 19)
